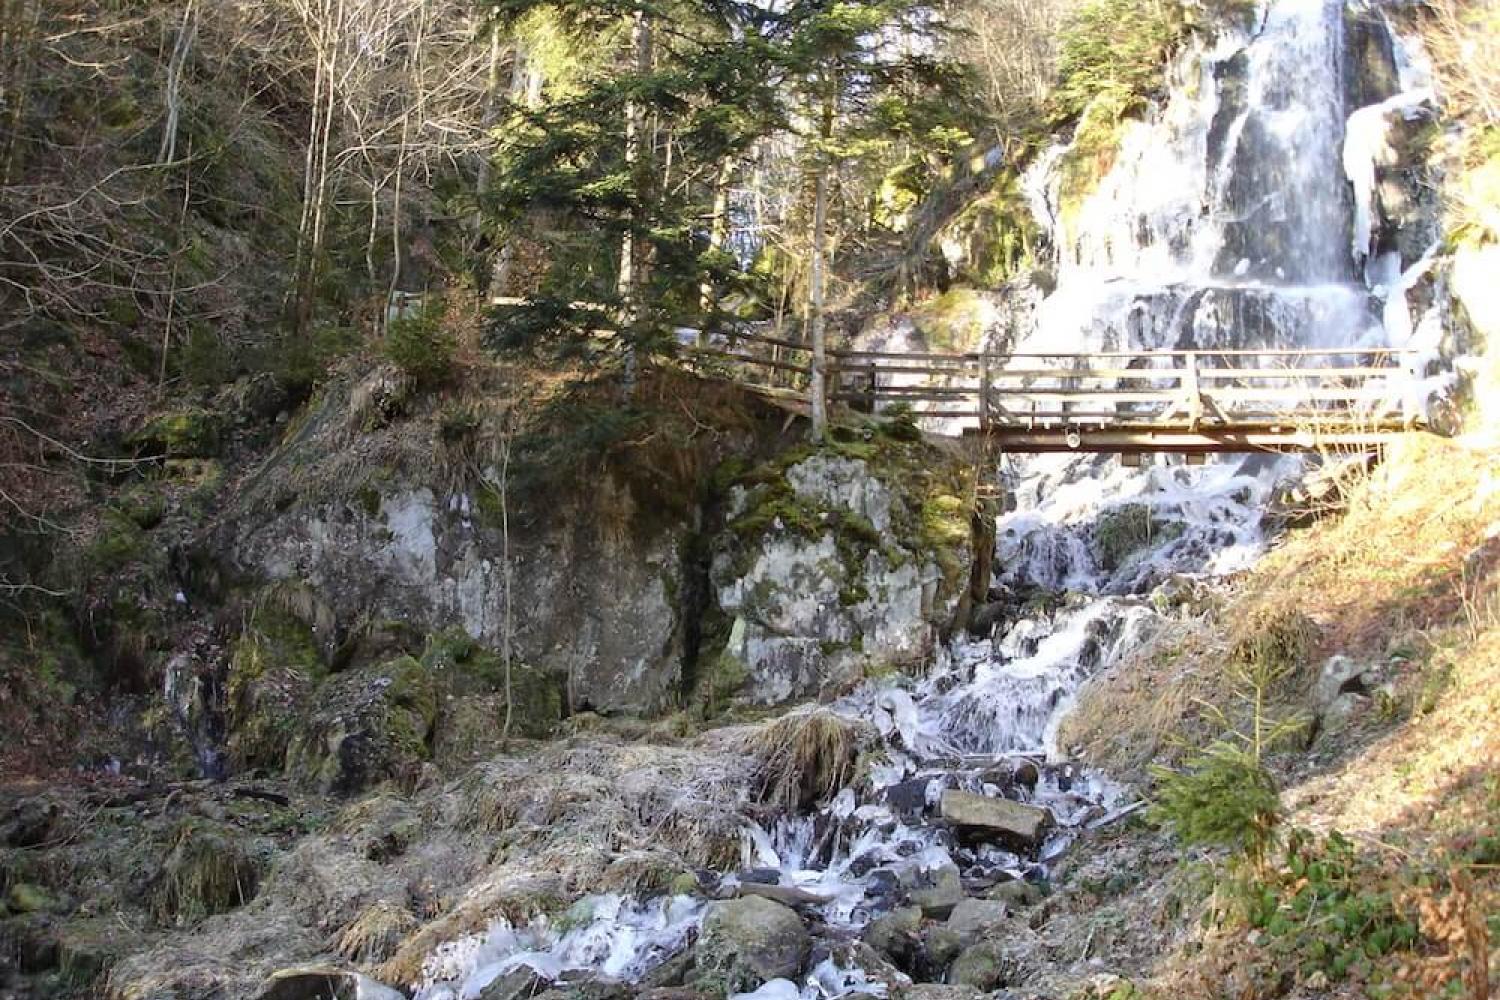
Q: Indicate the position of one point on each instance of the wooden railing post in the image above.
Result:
(1192, 389)
(984, 393)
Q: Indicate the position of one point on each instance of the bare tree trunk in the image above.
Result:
(20, 24)
(817, 277)
(526, 88)
(167, 152)
(637, 160)
(718, 236)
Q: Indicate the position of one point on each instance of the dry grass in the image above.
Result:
(1391, 568)
(613, 797)
(805, 758)
(374, 936)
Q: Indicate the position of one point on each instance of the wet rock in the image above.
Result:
(909, 798)
(764, 876)
(517, 984)
(938, 891)
(671, 973)
(324, 983)
(749, 941)
(895, 934)
(824, 578)
(24, 897)
(1027, 774)
(367, 726)
(787, 895)
(1002, 819)
(1342, 675)
(972, 918)
(1015, 893)
(982, 966)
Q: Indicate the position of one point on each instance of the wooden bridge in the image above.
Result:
(1187, 402)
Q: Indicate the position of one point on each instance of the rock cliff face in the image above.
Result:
(829, 572)
(760, 571)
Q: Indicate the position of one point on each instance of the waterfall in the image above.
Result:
(1226, 222)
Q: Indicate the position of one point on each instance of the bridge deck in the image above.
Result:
(1187, 402)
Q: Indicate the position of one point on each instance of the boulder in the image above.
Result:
(1002, 819)
(895, 934)
(940, 946)
(324, 983)
(972, 918)
(982, 966)
(1015, 893)
(1342, 675)
(937, 892)
(366, 726)
(517, 984)
(750, 941)
(1340, 714)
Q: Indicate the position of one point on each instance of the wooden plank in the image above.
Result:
(1212, 352)
(1180, 441)
(1280, 373)
(744, 359)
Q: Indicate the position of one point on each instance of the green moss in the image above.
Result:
(205, 872)
(367, 498)
(188, 433)
(118, 542)
(1095, 146)
(273, 666)
(954, 321)
(1123, 531)
(143, 504)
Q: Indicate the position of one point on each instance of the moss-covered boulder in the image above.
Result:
(206, 871)
(1124, 531)
(274, 666)
(749, 941)
(186, 433)
(835, 564)
(366, 726)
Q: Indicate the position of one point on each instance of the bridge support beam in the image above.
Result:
(1203, 441)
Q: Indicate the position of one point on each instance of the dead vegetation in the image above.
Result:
(373, 937)
(581, 795)
(806, 758)
(204, 873)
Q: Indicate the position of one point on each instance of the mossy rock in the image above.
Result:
(118, 542)
(206, 871)
(1123, 531)
(187, 433)
(24, 897)
(273, 668)
(954, 321)
(143, 504)
(367, 726)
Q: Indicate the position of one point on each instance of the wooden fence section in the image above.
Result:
(1131, 402)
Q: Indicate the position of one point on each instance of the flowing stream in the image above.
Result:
(1237, 216)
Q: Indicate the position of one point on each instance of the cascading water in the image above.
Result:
(1225, 223)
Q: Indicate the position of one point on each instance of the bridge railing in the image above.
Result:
(1136, 387)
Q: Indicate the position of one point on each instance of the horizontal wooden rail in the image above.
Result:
(1167, 400)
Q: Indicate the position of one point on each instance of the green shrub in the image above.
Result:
(1118, 47)
(1224, 797)
(1325, 909)
(420, 346)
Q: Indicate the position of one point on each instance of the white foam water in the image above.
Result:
(1225, 223)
